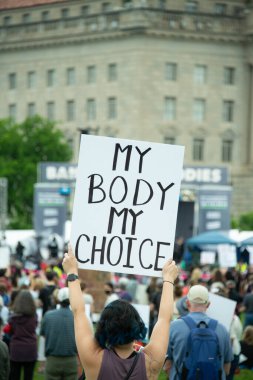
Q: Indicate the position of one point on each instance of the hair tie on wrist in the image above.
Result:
(169, 282)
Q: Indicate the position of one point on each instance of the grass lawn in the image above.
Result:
(244, 375)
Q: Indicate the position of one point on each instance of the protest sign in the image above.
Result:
(222, 309)
(125, 205)
(227, 255)
(207, 257)
(4, 257)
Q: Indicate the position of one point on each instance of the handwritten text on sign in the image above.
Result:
(125, 206)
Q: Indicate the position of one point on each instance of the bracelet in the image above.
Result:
(169, 282)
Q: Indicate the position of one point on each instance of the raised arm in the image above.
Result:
(157, 347)
(86, 344)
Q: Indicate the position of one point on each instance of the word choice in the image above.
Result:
(118, 251)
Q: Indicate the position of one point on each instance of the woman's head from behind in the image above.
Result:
(24, 303)
(119, 324)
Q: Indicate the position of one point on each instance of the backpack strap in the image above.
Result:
(212, 324)
(189, 321)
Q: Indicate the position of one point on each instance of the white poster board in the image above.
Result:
(207, 257)
(250, 250)
(4, 257)
(125, 205)
(227, 255)
(144, 312)
(222, 309)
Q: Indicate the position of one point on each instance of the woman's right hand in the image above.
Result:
(170, 271)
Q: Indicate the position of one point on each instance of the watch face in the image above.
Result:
(72, 277)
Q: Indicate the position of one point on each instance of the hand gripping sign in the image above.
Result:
(125, 205)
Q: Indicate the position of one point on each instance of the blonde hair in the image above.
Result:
(248, 335)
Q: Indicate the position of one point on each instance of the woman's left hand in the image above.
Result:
(69, 262)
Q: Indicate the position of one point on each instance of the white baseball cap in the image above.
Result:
(198, 294)
(63, 294)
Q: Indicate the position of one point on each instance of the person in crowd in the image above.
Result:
(122, 292)
(23, 342)
(132, 286)
(247, 308)
(197, 303)
(60, 348)
(20, 251)
(5, 284)
(4, 311)
(178, 294)
(110, 354)
(235, 337)
(46, 292)
(233, 294)
(53, 248)
(4, 357)
(88, 298)
(110, 293)
(247, 348)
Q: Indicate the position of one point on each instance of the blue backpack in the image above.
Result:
(202, 360)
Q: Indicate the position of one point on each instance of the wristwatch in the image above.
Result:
(72, 277)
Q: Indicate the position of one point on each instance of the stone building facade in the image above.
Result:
(166, 71)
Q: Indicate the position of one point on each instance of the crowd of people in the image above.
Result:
(43, 323)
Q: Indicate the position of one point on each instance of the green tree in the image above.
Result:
(246, 221)
(22, 147)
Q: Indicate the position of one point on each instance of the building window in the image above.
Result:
(169, 140)
(7, 20)
(229, 75)
(191, 6)
(162, 4)
(112, 72)
(65, 13)
(198, 149)
(170, 108)
(200, 74)
(70, 76)
(70, 110)
(228, 110)
(13, 111)
(91, 74)
(26, 18)
(85, 10)
(31, 109)
(31, 79)
(112, 108)
(91, 109)
(220, 8)
(199, 110)
(227, 150)
(51, 78)
(171, 71)
(45, 16)
(50, 110)
(127, 3)
(12, 81)
(106, 7)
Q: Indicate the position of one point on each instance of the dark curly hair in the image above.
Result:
(120, 323)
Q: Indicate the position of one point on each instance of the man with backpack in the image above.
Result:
(199, 347)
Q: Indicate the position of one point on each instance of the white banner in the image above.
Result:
(222, 309)
(4, 257)
(227, 255)
(125, 205)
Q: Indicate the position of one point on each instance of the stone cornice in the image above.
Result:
(79, 38)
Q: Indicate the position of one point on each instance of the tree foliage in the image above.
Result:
(22, 147)
(244, 222)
